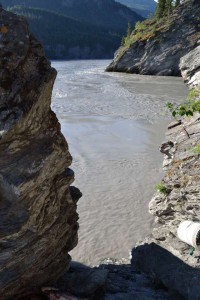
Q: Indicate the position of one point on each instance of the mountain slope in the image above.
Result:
(142, 7)
(105, 13)
(64, 37)
(76, 29)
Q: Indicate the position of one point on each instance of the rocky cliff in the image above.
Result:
(157, 46)
(38, 218)
(163, 256)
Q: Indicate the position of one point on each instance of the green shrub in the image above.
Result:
(191, 105)
(161, 188)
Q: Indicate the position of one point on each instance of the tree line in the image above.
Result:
(165, 7)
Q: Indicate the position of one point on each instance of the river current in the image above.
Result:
(114, 124)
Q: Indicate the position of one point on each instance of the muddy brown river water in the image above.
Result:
(114, 124)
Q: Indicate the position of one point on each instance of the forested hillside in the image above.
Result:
(106, 13)
(64, 37)
(76, 29)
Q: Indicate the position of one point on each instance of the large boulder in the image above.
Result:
(190, 67)
(38, 218)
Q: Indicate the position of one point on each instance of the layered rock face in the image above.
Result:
(38, 218)
(163, 256)
(161, 53)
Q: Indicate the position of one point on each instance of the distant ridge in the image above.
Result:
(143, 7)
(76, 29)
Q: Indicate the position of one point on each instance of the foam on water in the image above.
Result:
(114, 124)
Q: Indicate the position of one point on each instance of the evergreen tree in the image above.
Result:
(129, 29)
(168, 7)
(160, 8)
(123, 41)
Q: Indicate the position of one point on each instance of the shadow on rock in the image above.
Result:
(146, 278)
(111, 281)
(166, 269)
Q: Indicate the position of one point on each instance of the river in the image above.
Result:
(114, 124)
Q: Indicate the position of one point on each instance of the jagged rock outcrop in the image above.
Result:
(190, 67)
(38, 218)
(160, 53)
(162, 255)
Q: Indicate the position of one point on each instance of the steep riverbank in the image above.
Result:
(156, 47)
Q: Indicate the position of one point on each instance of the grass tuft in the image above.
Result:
(196, 149)
(161, 188)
